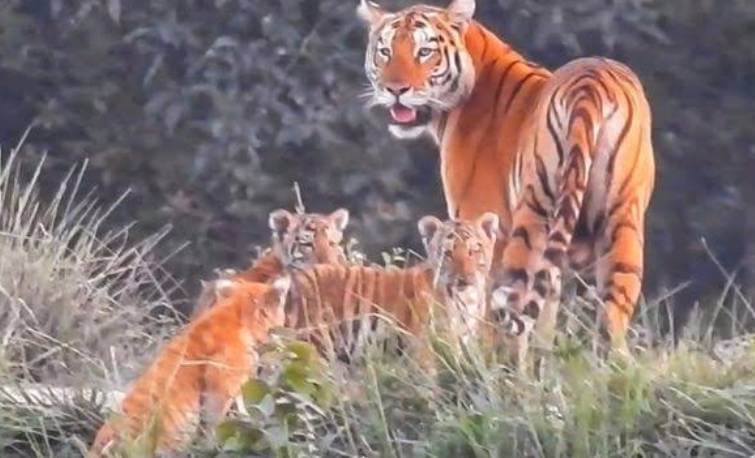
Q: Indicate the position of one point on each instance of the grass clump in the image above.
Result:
(683, 398)
(80, 308)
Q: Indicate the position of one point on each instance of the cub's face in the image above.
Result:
(263, 302)
(417, 62)
(302, 240)
(461, 253)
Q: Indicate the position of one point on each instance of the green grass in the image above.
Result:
(695, 398)
(81, 307)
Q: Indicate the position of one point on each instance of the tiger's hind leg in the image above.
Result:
(559, 172)
(520, 293)
(619, 274)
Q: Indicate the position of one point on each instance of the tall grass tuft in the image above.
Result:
(80, 306)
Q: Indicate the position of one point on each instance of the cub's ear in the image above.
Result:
(224, 287)
(339, 218)
(489, 223)
(280, 221)
(461, 11)
(282, 284)
(370, 12)
(428, 226)
(279, 290)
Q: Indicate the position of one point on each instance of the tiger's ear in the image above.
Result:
(461, 10)
(224, 287)
(428, 226)
(488, 222)
(339, 218)
(279, 290)
(281, 285)
(370, 12)
(280, 221)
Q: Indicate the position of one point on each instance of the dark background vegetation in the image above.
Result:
(209, 110)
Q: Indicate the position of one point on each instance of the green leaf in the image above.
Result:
(254, 391)
(304, 351)
(296, 376)
(238, 436)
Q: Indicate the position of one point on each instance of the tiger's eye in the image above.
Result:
(424, 52)
(385, 52)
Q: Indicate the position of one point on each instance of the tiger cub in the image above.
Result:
(195, 377)
(341, 307)
(298, 240)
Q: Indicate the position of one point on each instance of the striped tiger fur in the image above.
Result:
(340, 307)
(564, 157)
(298, 240)
(193, 380)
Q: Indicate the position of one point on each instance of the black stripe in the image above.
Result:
(622, 136)
(618, 227)
(502, 79)
(542, 175)
(556, 256)
(516, 90)
(532, 310)
(521, 231)
(552, 130)
(534, 204)
(515, 275)
(626, 268)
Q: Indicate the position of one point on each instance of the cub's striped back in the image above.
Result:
(342, 308)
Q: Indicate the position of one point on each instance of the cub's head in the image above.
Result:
(262, 303)
(301, 240)
(417, 62)
(461, 253)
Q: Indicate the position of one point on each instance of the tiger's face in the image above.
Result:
(302, 240)
(417, 63)
(461, 253)
(266, 302)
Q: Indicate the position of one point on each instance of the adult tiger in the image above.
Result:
(298, 240)
(340, 308)
(564, 158)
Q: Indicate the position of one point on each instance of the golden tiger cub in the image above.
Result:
(340, 307)
(298, 240)
(194, 379)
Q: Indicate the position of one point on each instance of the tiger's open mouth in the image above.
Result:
(402, 115)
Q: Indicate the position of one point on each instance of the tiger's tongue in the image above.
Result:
(402, 114)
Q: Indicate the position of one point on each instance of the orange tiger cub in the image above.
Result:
(564, 158)
(298, 240)
(340, 307)
(194, 379)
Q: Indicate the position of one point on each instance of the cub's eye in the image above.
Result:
(385, 52)
(424, 52)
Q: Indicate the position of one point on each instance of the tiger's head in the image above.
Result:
(301, 240)
(264, 303)
(417, 62)
(460, 253)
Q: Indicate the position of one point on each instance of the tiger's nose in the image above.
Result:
(398, 89)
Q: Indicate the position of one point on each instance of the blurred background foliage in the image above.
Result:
(209, 110)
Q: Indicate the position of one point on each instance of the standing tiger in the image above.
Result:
(298, 240)
(564, 158)
(340, 307)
